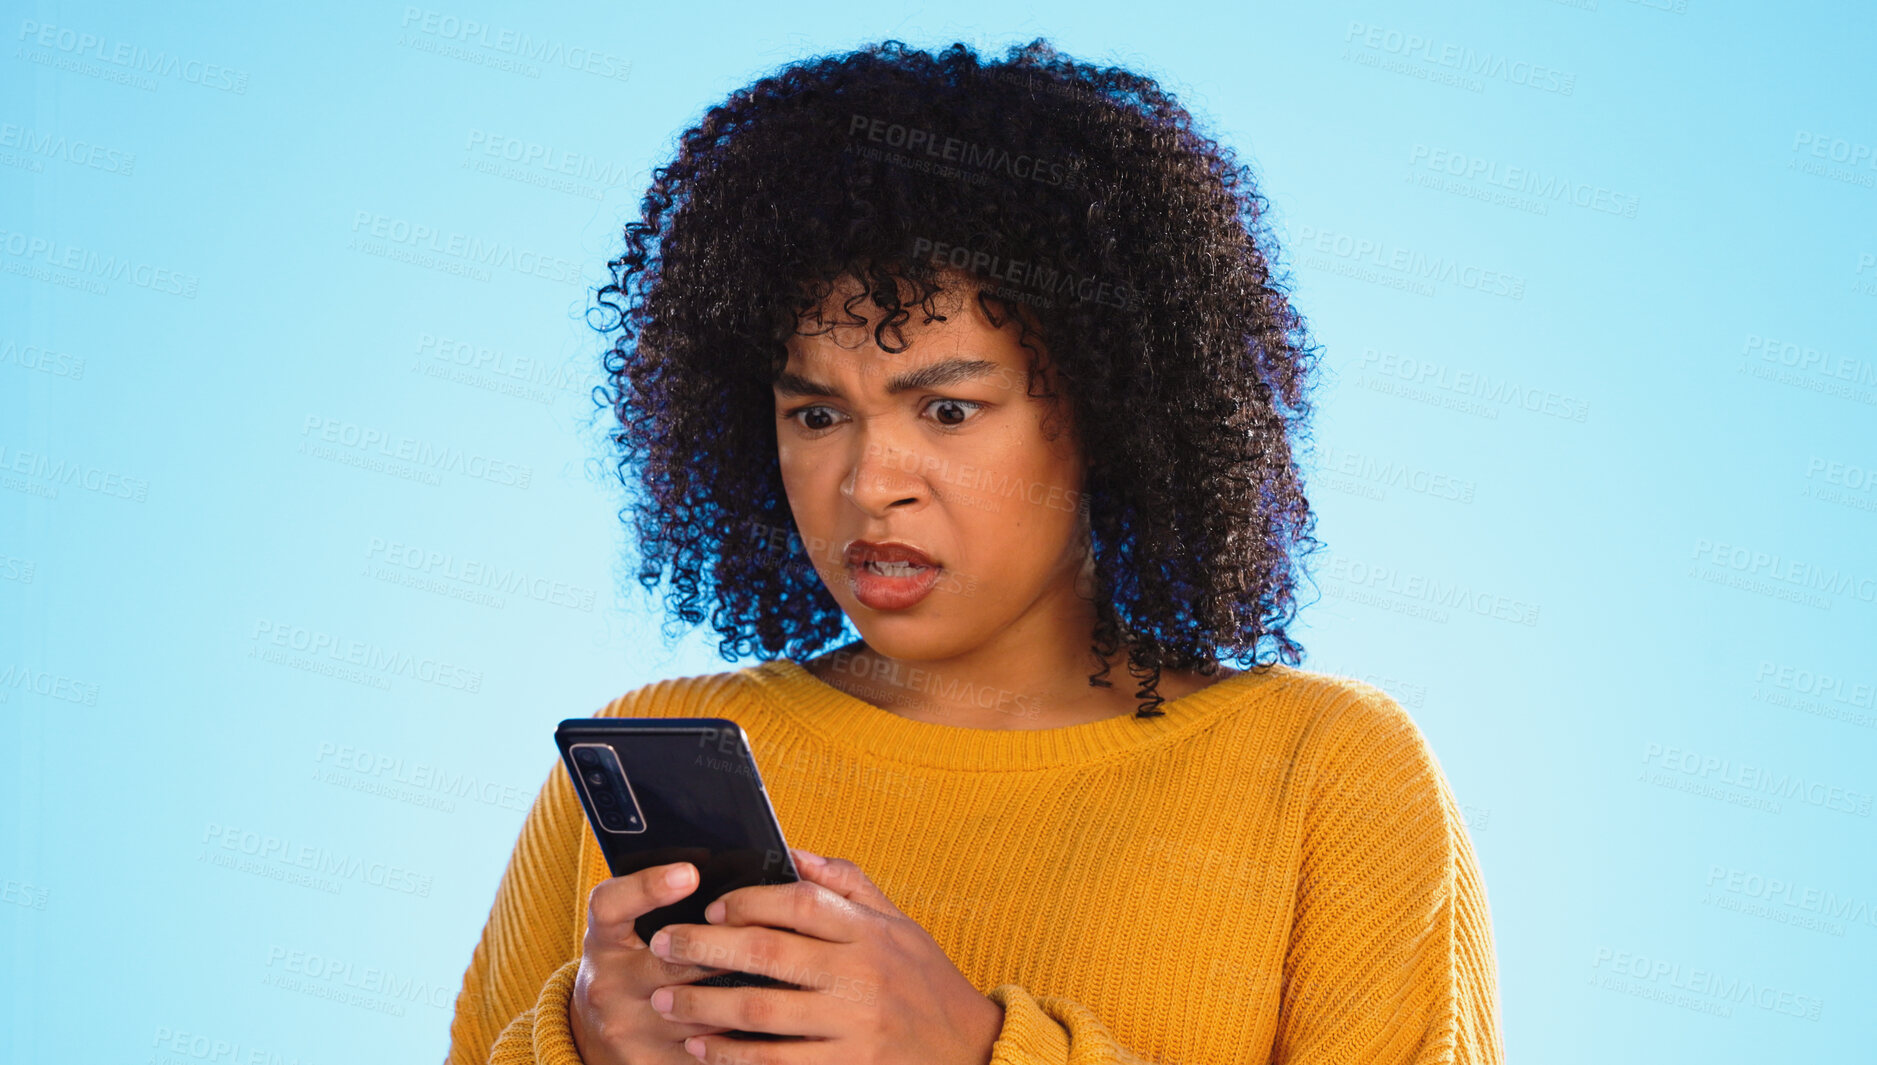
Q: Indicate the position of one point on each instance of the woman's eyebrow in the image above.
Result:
(932, 375)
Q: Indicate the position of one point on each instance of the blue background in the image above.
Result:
(1596, 284)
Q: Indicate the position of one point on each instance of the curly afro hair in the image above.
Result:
(1138, 250)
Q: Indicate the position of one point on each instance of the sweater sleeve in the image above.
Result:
(1052, 1030)
(512, 1009)
(1390, 957)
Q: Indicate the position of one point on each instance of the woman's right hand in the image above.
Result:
(610, 1011)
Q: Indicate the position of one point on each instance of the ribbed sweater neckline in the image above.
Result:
(844, 720)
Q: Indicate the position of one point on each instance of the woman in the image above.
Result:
(988, 360)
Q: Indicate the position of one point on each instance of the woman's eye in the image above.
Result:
(954, 419)
(949, 413)
(814, 419)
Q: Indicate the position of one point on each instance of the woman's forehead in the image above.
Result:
(829, 370)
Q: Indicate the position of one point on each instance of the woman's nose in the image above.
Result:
(885, 474)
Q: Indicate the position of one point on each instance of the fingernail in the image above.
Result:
(714, 912)
(679, 875)
(695, 1047)
(661, 1000)
(661, 941)
(812, 861)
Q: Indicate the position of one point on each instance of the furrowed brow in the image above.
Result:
(935, 375)
(788, 383)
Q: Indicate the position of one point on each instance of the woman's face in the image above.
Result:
(937, 447)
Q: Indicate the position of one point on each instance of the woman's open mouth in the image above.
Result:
(890, 576)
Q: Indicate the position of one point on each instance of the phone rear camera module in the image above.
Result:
(608, 791)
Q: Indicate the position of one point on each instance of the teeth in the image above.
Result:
(894, 569)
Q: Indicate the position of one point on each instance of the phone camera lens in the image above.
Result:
(587, 756)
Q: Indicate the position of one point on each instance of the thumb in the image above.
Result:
(845, 879)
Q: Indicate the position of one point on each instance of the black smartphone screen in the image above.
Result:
(660, 790)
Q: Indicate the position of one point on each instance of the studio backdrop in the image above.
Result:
(309, 534)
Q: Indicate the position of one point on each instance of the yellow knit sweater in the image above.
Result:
(1273, 871)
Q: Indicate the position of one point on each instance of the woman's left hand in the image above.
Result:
(877, 988)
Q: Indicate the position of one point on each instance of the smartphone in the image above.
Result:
(678, 789)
